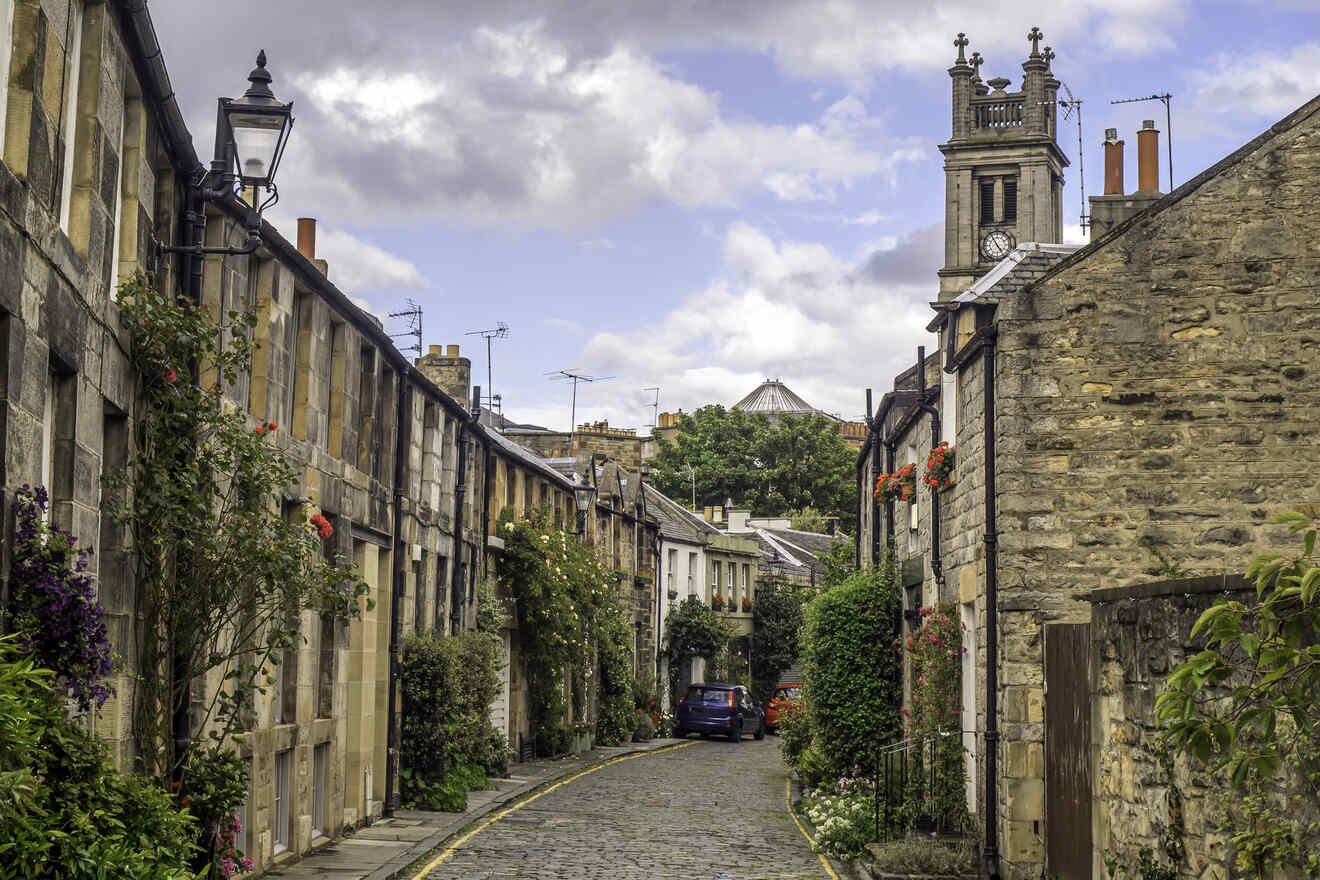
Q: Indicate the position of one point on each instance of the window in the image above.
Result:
(969, 673)
(6, 41)
(715, 576)
(368, 447)
(527, 493)
(320, 763)
(733, 579)
(334, 392)
(949, 406)
(243, 838)
(692, 573)
(48, 433)
(282, 761)
(325, 668)
(419, 594)
(1010, 199)
(987, 202)
(69, 106)
(669, 575)
(59, 433)
(747, 579)
(441, 579)
(298, 360)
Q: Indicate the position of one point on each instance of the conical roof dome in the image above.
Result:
(773, 398)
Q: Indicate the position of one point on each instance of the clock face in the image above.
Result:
(997, 244)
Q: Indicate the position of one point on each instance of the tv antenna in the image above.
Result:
(499, 331)
(556, 375)
(1070, 104)
(414, 315)
(1166, 99)
(655, 405)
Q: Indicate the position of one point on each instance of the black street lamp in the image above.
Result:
(251, 133)
(584, 495)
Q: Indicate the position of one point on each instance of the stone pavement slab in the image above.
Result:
(385, 849)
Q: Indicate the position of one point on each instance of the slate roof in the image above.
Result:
(676, 521)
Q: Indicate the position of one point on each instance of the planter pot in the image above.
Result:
(581, 742)
(673, 595)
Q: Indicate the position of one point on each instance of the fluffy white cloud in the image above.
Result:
(508, 126)
(789, 310)
(357, 265)
(1261, 84)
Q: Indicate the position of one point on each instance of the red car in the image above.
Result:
(783, 695)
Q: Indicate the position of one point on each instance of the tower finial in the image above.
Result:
(1049, 56)
(1035, 36)
(961, 43)
(976, 61)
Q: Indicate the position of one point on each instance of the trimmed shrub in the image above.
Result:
(853, 686)
(644, 731)
(449, 683)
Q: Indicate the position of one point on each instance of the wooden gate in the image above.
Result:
(1068, 751)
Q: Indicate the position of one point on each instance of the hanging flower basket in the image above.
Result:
(901, 485)
(717, 602)
(939, 466)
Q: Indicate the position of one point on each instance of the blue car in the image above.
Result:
(719, 708)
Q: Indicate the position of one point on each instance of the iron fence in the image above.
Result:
(921, 786)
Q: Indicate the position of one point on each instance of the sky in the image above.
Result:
(691, 195)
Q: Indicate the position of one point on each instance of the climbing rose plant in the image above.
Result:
(934, 665)
(570, 617)
(222, 566)
(54, 602)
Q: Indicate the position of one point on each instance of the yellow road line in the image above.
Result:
(788, 789)
(491, 820)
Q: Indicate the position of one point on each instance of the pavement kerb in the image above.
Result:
(398, 867)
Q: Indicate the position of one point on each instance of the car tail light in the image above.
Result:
(730, 699)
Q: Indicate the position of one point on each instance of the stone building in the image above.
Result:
(1144, 396)
(590, 438)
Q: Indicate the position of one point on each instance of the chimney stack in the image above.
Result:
(307, 237)
(450, 371)
(1113, 163)
(1148, 156)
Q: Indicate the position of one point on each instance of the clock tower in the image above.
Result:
(1003, 169)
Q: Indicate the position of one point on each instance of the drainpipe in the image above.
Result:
(891, 452)
(403, 439)
(875, 472)
(460, 490)
(936, 565)
(991, 613)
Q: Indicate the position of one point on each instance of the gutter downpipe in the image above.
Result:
(876, 429)
(991, 852)
(403, 440)
(456, 564)
(891, 451)
(936, 565)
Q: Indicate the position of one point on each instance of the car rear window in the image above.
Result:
(707, 695)
(789, 693)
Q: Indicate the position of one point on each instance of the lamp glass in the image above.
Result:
(257, 138)
(583, 495)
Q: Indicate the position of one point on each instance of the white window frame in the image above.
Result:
(280, 813)
(693, 562)
(6, 57)
(73, 67)
(320, 767)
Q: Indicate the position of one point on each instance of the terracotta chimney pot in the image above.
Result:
(307, 237)
(1148, 156)
(1113, 163)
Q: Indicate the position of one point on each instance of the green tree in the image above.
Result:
(776, 627)
(1247, 708)
(774, 467)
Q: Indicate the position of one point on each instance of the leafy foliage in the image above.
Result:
(808, 519)
(776, 627)
(1247, 707)
(792, 463)
(843, 816)
(569, 608)
(64, 809)
(692, 630)
(220, 567)
(54, 602)
(851, 683)
(449, 683)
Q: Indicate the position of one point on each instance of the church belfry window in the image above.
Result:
(1010, 199)
(987, 202)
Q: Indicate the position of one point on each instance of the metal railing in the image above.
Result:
(920, 786)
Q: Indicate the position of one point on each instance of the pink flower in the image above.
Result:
(169, 376)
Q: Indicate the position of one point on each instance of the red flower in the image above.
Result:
(259, 429)
(271, 426)
(323, 527)
(169, 376)
(185, 802)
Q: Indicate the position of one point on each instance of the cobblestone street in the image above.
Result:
(711, 809)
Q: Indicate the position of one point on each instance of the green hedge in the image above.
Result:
(851, 669)
(448, 743)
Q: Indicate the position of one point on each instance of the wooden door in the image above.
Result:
(1067, 751)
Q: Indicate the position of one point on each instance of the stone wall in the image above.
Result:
(1138, 636)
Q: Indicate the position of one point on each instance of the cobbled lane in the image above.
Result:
(710, 810)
